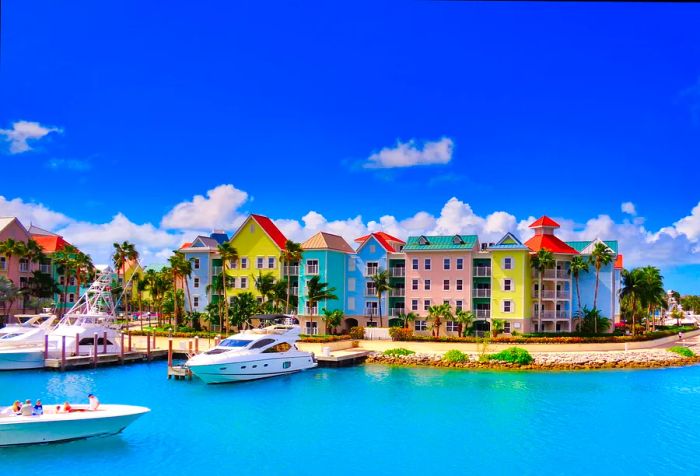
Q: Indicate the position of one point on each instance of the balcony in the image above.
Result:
(312, 269)
(217, 270)
(294, 290)
(312, 311)
(398, 272)
(396, 311)
(371, 311)
(547, 314)
(371, 270)
(563, 274)
(397, 292)
(563, 295)
(481, 293)
(483, 313)
(23, 267)
(562, 314)
(45, 268)
(548, 274)
(291, 271)
(545, 294)
(482, 271)
(370, 291)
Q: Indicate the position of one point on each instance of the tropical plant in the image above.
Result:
(291, 254)
(181, 269)
(123, 254)
(41, 286)
(265, 284)
(653, 295)
(332, 319)
(11, 247)
(631, 293)
(455, 356)
(381, 285)
(65, 266)
(541, 261)
(497, 326)
(591, 321)
(357, 332)
(682, 351)
(406, 318)
(243, 307)
(601, 256)
(437, 314)
(317, 291)
(513, 355)
(398, 352)
(8, 293)
(228, 254)
(691, 303)
(577, 266)
(677, 314)
(84, 270)
(465, 319)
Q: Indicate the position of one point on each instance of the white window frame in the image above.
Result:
(271, 262)
(508, 285)
(351, 263)
(244, 282)
(195, 263)
(414, 263)
(427, 264)
(244, 262)
(195, 301)
(259, 262)
(506, 327)
(426, 285)
(445, 284)
(426, 304)
(420, 325)
(452, 326)
(195, 282)
(510, 305)
(351, 284)
(446, 264)
(414, 305)
(459, 305)
(460, 263)
(351, 303)
(459, 285)
(415, 285)
(508, 263)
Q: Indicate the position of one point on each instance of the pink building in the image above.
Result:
(439, 270)
(16, 269)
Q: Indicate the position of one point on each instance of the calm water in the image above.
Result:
(376, 420)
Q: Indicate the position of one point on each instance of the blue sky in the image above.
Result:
(563, 109)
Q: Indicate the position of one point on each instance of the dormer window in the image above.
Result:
(457, 240)
(423, 241)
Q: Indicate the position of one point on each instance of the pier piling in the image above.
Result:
(170, 352)
(196, 344)
(63, 352)
(121, 348)
(77, 344)
(46, 346)
(94, 350)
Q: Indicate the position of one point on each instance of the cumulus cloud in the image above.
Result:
(28, 212)
(629, 208)
(409, 154)
(219, 209)
(22, 132)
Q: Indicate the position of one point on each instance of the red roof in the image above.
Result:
(618, 262)
(383, 239)
(272, 230)
(185, 245)
(544, 221)
(549, 242)
(50, 243)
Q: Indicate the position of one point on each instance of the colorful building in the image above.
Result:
(203, 253)
(16, 269)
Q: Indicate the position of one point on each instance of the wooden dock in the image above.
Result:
(343, 358)
(179, 372)
(87, 361)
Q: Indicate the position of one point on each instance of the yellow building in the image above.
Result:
(511, 284)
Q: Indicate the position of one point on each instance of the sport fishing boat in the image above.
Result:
(92, 314)
(253, 354)
(54, 426)
(28, 328)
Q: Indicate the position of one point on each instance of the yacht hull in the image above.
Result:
(53, 428)
(21, 358)
(231, 372)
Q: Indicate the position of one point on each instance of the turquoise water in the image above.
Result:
(376, 420)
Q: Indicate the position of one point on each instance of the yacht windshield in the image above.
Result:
(234, 343)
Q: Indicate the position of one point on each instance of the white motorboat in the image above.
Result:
(93, 314)
(55, 426)
(253, 354)
(28, 328)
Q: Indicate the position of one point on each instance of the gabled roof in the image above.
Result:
(508, 242)
(35, 230)
(186, 245)
(441, 242)
(50, 243)
(581, 246)
(327, 241)
(219, 237)
(618, 262)
(551, 243)
(384, 239)
(544, 221)
(271, 229)
(7, 221)
(204, 242)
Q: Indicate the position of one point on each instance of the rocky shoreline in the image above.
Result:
(550, 361)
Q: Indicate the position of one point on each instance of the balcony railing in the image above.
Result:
(311, 269)
(397, 292)
(563, 295)
(45, 268)
(294, 291)
(563, 274)
(398, 272)
(291, 271)
(370, 291)
(481, 293)
(546, 314)
(562, 314)
(24, 267)
(482, 271)
(483, 313)
(312, 310)
(396, 311)
(545, 294)
(371, 270)
(217, 270)
(548, 274)
(371, 311)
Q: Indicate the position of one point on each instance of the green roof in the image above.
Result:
(581, 245)
(447, 242)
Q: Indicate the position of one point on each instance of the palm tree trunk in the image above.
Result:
(578, 296)
(223, 316)
(595, 299)
(379, 306)
(539, 302)
(289, 287)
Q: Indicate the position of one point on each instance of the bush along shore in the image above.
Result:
(516, 358)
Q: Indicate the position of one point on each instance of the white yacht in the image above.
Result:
(55, 426)
(28, 328)
(92, 314)
(253, 354)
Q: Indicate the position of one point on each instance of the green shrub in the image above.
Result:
(398, 352)
(357, 332)
(514, 355)
(455, 355)
(682, 351)
(399, 333)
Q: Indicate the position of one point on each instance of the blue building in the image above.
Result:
(204, 255)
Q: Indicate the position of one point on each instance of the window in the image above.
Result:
(61, 281)
(196, 282)
(71, 297)
(446, 285)
(414, 263)
(244, 282)
(244, 263)
(72, 281)
(459, 285)
(507, 263)
(372, 268)
(233, 263)
(371, 289)
(195, 263)
(507, 306)
(281, 347)
(458, 305)
(231, 282)
(460, 263)
(312, 328)
(426, 263)
(286, 365)
(420, 325)
(351, 264)
(252, 228)
(259, 262)
(414, 284)
(426, 285)
(351, 284)
(426, 304)
(3, 262)
(351, 303)
(371, 324)
(271, 262)
(446, 301)
(195, 301)
(414, 304)
(507, 284)
(446, 263)
(311, 266)
(506, 327)
(452, 326)
(262, 343)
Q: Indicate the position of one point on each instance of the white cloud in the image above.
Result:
(219, 209)
(409, 154)
(35, 213)
(24, 131)
(629, 208)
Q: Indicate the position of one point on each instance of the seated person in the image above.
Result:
(38, 408)
(16, 407)
(67, 408)
(94, 402)
(27, 408)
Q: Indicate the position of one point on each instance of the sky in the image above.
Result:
(131, 121)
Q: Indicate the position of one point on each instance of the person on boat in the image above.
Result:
(16, 407)
(38, 408)
(67, 408)
(27, 408)
(94, 402)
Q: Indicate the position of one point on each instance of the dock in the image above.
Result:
(343, 358)
(86, 361)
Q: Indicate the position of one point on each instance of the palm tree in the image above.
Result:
(405, 318)
(653, 294)
(228, 253)
(243, 307)
(465, 319)
(8, 293)
(577, 266)
(436, 314)
(65, 264)
(541, 261)
(317, 291)
(601, 256)
(280, 295)
(83, 269)
(10, 248)
(332, 319)
(632, 292)
(216, 288)
(290, 254)
(181, 268)
(381, 285)
(265, 284)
